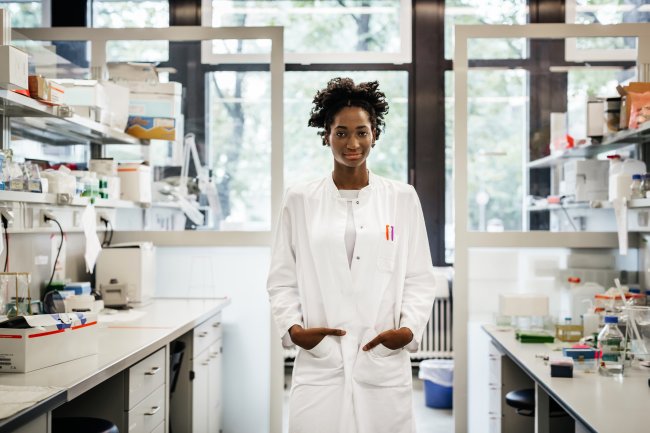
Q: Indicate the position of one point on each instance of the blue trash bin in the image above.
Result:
(438, 376)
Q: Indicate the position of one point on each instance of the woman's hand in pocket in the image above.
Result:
(393, 339)
(308, 338)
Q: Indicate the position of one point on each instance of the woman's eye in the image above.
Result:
(340, 134)
(363, 134)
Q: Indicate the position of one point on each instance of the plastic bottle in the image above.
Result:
(610, 343)
(33, 178)
(590, 320)
(620, 175)
(635, 189)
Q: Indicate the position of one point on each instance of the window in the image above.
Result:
(25, 13)
(604, 12)
(327, 31)
(129, 14)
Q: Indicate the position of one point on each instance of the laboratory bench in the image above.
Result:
(596, 403)
(127, 381)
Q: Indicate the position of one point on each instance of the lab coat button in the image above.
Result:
(358, 257)
(357, 201)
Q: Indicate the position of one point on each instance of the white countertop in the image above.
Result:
(122, 344)
(604, 404)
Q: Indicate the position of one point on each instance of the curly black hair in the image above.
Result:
(342, 92)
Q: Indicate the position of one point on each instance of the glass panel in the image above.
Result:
(24, 13)
(126, 14)
(325, 26)
(449, 167)
(57, 59)
(303, 148)
(608, 11)
(129, 14)
(501, 48)
(485, 12)
(238, 46)
(497, 114)
(137, 51)
(239, 139)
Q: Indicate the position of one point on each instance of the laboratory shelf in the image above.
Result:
(573, 205)
(31, 119)
(65, 200)
(639, 203)
(616, 141)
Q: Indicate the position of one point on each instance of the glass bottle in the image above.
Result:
(33, 178)
(635, 188)
(610, 343)
(645, 184)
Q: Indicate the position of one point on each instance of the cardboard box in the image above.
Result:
(102, 101)
(14, 65)
(52, 339)
(155, 99)
(46, 90)
(135, 182)
(156, 128)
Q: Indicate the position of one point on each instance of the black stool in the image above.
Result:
(523, 400)
(83, 425)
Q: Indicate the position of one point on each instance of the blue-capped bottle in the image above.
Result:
(610, 344)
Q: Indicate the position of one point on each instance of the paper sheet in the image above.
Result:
(93, 246)
(13, 399)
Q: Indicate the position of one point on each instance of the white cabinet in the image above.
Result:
(145, 401)
(206, 383)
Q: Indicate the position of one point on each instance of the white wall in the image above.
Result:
(239, 273)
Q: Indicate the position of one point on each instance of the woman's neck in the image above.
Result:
(350, 177)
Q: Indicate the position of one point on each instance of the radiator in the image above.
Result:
(436, 340)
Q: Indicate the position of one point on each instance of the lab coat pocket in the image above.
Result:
(322, 349)
(386, 257)
(321, 365)
(392, 369)
(381, 351)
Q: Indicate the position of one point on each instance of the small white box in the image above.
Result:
(48, 343)
(155, 99)
(135, 182)
(130, 264)
(14, 68)
(595, 118)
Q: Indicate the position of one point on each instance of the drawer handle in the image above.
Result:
(216, 324)
(202, 334)
(153, 411)
(205, 363)
(152, 372)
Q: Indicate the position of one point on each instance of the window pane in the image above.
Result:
(325, 26)
(24, 13)
(306, 158)
(607, 11)
(486, 12)
(129, 14)
(496, 146)
(125, 14)
(239, 139)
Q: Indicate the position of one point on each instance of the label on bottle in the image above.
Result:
(611, 348)
(34, 185)
(17, 185)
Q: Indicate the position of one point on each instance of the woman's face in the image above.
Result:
(351, 137)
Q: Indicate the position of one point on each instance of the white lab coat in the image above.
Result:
(336, 386)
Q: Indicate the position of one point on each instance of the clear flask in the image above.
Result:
(610, 343)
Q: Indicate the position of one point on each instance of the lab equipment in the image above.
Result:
(620, 175)
(638, 331)
(585, 180)
(21, 303)
(584, 357)
(610, 343)
(114, 294)
(527, 310)
(132, 264)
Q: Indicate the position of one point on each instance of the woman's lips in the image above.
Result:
(352, 155)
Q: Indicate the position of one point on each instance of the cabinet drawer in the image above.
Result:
(149, 413)
(207, 333)
(145, 376)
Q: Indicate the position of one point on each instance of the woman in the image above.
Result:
(351, 281)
